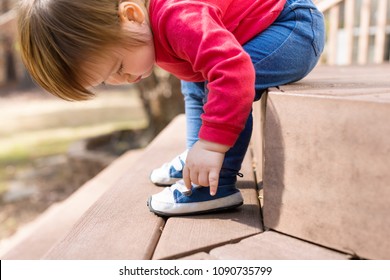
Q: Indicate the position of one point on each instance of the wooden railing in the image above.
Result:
(356, 31)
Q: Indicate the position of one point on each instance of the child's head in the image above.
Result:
(63, 41)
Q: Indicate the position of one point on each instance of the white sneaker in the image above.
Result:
(169, 173)
(177, 200)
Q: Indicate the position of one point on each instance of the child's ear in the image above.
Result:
(130, 11)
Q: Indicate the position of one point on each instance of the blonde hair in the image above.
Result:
(57, 36)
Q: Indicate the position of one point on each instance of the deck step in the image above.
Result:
(119, 225)
(270, 245)
(35, 239)
(185, 235)
(327, 158)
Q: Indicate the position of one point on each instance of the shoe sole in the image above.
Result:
(164, 214)
(164, 184)
(169, 183)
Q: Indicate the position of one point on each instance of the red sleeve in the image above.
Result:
(196, 34)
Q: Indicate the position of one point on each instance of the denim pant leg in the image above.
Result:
(194, 99)
(285, 52)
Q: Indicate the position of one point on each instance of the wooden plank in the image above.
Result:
(188, 235)
(349, 14)
(272, 245)
(350, 91)
(334, 15)
(380, 34)
(34, 240)
(326, 166)
(119, 225)
(257, 137)
(364, 35)
(256, 141)
(340, 78)
(325, 5)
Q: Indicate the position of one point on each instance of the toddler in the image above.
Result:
(226, 52)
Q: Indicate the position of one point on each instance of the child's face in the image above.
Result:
(122, 64)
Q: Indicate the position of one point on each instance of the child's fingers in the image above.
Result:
(186, 178)
(202, 179)
(213, 182)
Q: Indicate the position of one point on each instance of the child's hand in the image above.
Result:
(203, 164)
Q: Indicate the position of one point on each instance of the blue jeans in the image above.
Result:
(284, 53)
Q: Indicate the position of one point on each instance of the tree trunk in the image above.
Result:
(162, 99)
(9, 58)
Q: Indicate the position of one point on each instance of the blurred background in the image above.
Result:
(50, 147)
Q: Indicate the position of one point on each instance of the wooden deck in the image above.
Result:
(138, 233)
(319, 200)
